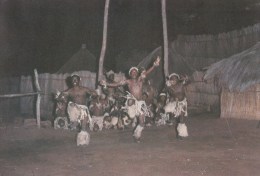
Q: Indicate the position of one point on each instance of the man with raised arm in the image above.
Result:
(135, 87)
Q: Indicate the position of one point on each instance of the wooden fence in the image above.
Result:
(50, 84)
(38, 99)
(9, 85)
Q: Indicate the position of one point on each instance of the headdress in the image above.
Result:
(162, 94)
(174, 74)
(74, 74)
(131, 69)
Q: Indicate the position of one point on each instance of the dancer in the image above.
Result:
(135, 86)
(77, 96)
(177, 104)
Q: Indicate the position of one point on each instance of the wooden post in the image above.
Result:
(19, 95)
(104, 44)
(38, 101)
(165, 39)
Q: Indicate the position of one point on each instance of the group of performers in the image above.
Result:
(141, 103)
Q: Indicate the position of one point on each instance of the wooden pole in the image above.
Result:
(38, 101)
(165, 39)
(104, 43)
(19, 95)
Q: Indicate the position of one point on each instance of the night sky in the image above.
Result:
(44, 34)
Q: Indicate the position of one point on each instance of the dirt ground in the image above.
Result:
(215, 146)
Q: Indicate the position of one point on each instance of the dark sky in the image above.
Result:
(44, 34)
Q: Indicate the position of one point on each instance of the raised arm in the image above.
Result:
(116, 84)
(155, 64)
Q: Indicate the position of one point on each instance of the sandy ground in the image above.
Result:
(215, 146)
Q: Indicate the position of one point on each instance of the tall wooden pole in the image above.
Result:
(165, 39)
(104, 43)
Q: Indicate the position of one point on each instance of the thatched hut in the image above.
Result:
(239, 78)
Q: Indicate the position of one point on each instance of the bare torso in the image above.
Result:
(176, 92)
(135, 87)
(110, 91)
(78, 95)
(135, 84)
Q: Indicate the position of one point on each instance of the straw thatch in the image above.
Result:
(81, 60)
(238, 72)
(239, 77)
(241, 105)
(218, 46)
(202, 96)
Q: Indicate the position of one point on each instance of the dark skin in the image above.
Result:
(77, 93)
(135, 84)
(176, 91)
(110, 90)
(98, 106)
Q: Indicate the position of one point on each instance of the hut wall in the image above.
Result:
(241, 105)
(202, 96)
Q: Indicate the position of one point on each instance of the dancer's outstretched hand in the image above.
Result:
(157, 61)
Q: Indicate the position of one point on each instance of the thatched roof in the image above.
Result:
(238, 72)
(81, 60)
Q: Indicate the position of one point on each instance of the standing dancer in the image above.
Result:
(135, 86)
(177, 104)
(77, 110)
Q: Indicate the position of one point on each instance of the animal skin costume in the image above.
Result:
(177, 107)
(77, 112)
(137, 109)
